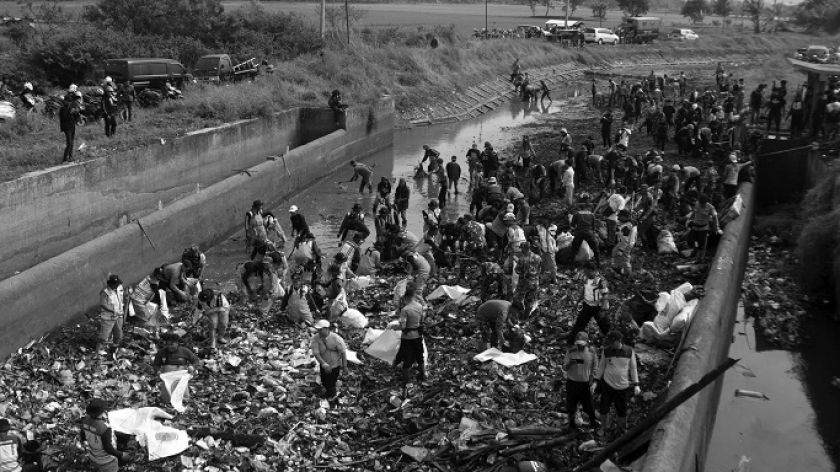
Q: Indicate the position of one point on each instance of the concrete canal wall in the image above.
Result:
(197, 210)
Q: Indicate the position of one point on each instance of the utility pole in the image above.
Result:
(486, 24)
(323, 17)
(567, 13)
(347, 17)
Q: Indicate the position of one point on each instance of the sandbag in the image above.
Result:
(665, 243)
(339, 305)
(354, 319)
(650, 332)
(676, 302)
(176, 384)
(684, 317)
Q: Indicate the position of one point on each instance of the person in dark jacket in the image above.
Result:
(401, 196)
(99, 439)
(583, 225)
(338, 107)
(68, 115)
(127, 95)
(353, 221)
(453, 173)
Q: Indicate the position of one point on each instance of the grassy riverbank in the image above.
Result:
(413, 75)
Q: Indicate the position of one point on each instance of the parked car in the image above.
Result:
(801, 54)
(220, 68)
(600, 36)
(682, 34)
(818, 54)
(559, 30)
(147, 73)
(639, 29)
(529, 31)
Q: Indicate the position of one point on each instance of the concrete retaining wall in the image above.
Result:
(680, 442)
(60, 289)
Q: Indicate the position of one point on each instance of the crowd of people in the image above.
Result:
(608, 203)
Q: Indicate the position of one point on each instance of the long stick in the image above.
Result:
(146, 234)
(539, 444)
(656, 415)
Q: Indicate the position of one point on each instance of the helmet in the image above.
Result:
(509, 217)
(72, 88)
(27, 86)
(676, 168)
(108, 80)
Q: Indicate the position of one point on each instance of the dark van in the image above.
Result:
(147, 73)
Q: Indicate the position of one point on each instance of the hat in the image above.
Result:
(293, 208)
(341, 257)
(257, 204)
(96, 407)
(4, 425)
(77, 94)
(657, 159)
(676, 168)
(322, 324)
(582, 338)
(733, 157)
(563, 130)
(357, 206)
(509, 208)
(491, 180)
(552, 228)
(113, 279)
(509, 217)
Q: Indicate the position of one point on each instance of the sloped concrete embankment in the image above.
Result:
(63, 287)
(488, 95)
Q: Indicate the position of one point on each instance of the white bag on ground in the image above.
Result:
(372, 334)
(684, 317)
(161, 441)
(650, 332)
(676, 302)
(354, 318)
(453, 292)
(385, 347)
(359, 283)
(176, 383)
(564, 240)
(164, 441)
(665, 243)
(585, 253)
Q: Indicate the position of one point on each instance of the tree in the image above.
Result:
(532, 4)
(573, 5)
(193, 18)
(634, 7)
(722, 8)
(754, 9)
(599, 10)
(817, 15)
(695, 10)
(549, 4)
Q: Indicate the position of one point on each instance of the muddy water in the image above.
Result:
(327, 201)
(798, 429)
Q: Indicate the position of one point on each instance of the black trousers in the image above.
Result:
(611, 396)
(579, 393)
(69, 137)
(329, 380)
(110, 124)
(589, 237)
(587, 312)
(129, 106)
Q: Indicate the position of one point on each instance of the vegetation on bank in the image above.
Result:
(818, 245)
(384, 61)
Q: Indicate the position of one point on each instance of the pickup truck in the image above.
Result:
(220, 68)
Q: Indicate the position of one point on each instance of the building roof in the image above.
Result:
(810, 67)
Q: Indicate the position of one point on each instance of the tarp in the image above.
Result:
(504, 358)
(161, 441)
(453, 292)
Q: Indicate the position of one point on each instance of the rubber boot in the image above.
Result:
(606, 426)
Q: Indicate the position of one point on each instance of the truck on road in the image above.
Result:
(220, 68)
(639, 29)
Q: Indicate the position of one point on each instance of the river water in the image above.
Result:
(794, 431)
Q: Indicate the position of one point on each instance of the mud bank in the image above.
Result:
(61, 288)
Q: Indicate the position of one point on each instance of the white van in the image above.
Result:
(600, 36)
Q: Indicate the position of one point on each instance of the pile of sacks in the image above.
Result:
(673, 314)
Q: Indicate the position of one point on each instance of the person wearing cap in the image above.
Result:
(730, 175)
(173, 357)
(593, 303)
(111, 313)
(528, 269)
(99, 439)
(339, 269)
(489, 160)
(68, 116)
(514, 236)
(580, 365)
(626, 239)
(493, 191)
(330, 351)
(268, 272)
(363, 172)
(583, 228)
(616, 372)
(143, 296)
(412, 349)
(298, 221)
(494, 318)
(405, 240)
(110, 108)
(11, 447)
(547, 237)
(688, 175)
(299, 303)
(254, 225)
(353, 223)
(215, 309)
(419, 267)
(653, 172)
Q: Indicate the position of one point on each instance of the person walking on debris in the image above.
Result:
(420, 268)
(432, 156)
(626, 239)
(111, 314)
(99, 439)
(215, 309)
(401, 197)
(299, 303)
(412, 350)
(594, 302)
(364, 172)
(702, 221)
(580, 365)
(148, 303)
(274, 232)
(547, 236)
(171, 358)
(616, 374)
(353, 223)
(528, 268)
(299, 225)
(494, 318)
(330, 351)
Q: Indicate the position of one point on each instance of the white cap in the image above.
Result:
(108, 79)
(293, 208)
(27, 86)
(552, 228)
(322, 324)
(491, 180)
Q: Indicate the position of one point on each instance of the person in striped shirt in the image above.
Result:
(617, 373)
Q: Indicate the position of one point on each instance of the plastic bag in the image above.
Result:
(585, 253)
(354, 319)
(161, 441)
(339, 305)
(733, 211)
(684, 317)
(564, 240)
(676, 302)
(176, 384)
(385, 347)
(665, 243)
(359, 283)
(164, 441)
(399, 290)
(650, 332)
(372, 334)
